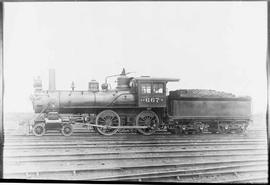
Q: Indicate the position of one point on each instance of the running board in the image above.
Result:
(126, 127)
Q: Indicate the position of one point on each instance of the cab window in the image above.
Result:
(158, 88)
(146, 88)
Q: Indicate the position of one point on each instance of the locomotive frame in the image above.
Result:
(145, 115)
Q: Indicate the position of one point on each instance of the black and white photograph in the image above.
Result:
(135, 91)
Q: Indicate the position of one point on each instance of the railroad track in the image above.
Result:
(84, 132)
(133, 157)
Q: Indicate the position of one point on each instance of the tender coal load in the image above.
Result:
(201, 93)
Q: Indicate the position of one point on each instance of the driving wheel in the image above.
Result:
(109, 120)
(149, 119)
(67, 129)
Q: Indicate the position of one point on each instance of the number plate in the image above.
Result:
(152, 100)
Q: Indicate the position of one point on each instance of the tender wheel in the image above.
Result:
(180, 130)
(67, 130)
(108, 119)
(240, 131)
(185, 132)
(171, 130)
(223, 128)
(39, 129)
(177, 130)
(213, 131)
(149, 119)
(242, 128)
(212, 128)
(199, 128)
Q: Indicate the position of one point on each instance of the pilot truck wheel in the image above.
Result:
(107, 119)
(39, 129)
(67, 129)
(147, 118)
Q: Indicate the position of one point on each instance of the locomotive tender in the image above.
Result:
(137, 103)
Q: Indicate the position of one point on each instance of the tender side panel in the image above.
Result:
(197, 107)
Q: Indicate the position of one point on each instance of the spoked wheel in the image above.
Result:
(171, 130)
(67, 129)
(108, 119)
(199, 128)
(223, 128)
(242, 129)
(147, 118)
(212, 128)
(39, 129)
(179, 130)
(176, 131)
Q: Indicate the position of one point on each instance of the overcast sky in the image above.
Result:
(208, 45)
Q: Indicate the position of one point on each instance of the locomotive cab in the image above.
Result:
(152, 91)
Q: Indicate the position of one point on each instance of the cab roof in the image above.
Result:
(148, 78)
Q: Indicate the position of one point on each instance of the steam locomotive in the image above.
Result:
(139, 103)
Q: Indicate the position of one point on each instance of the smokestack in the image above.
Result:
(52, 80)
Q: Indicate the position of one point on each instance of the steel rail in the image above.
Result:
(127, 140)
(182, 172)
(131, 143)
(153, 174)
(86, 128)
(134, 139)
(242, 179)
(120, 163)
(37, 146)
(96, 136)
(116, 150)
(207, 175)
(117, 156)
(254, 180)
(16, 133)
